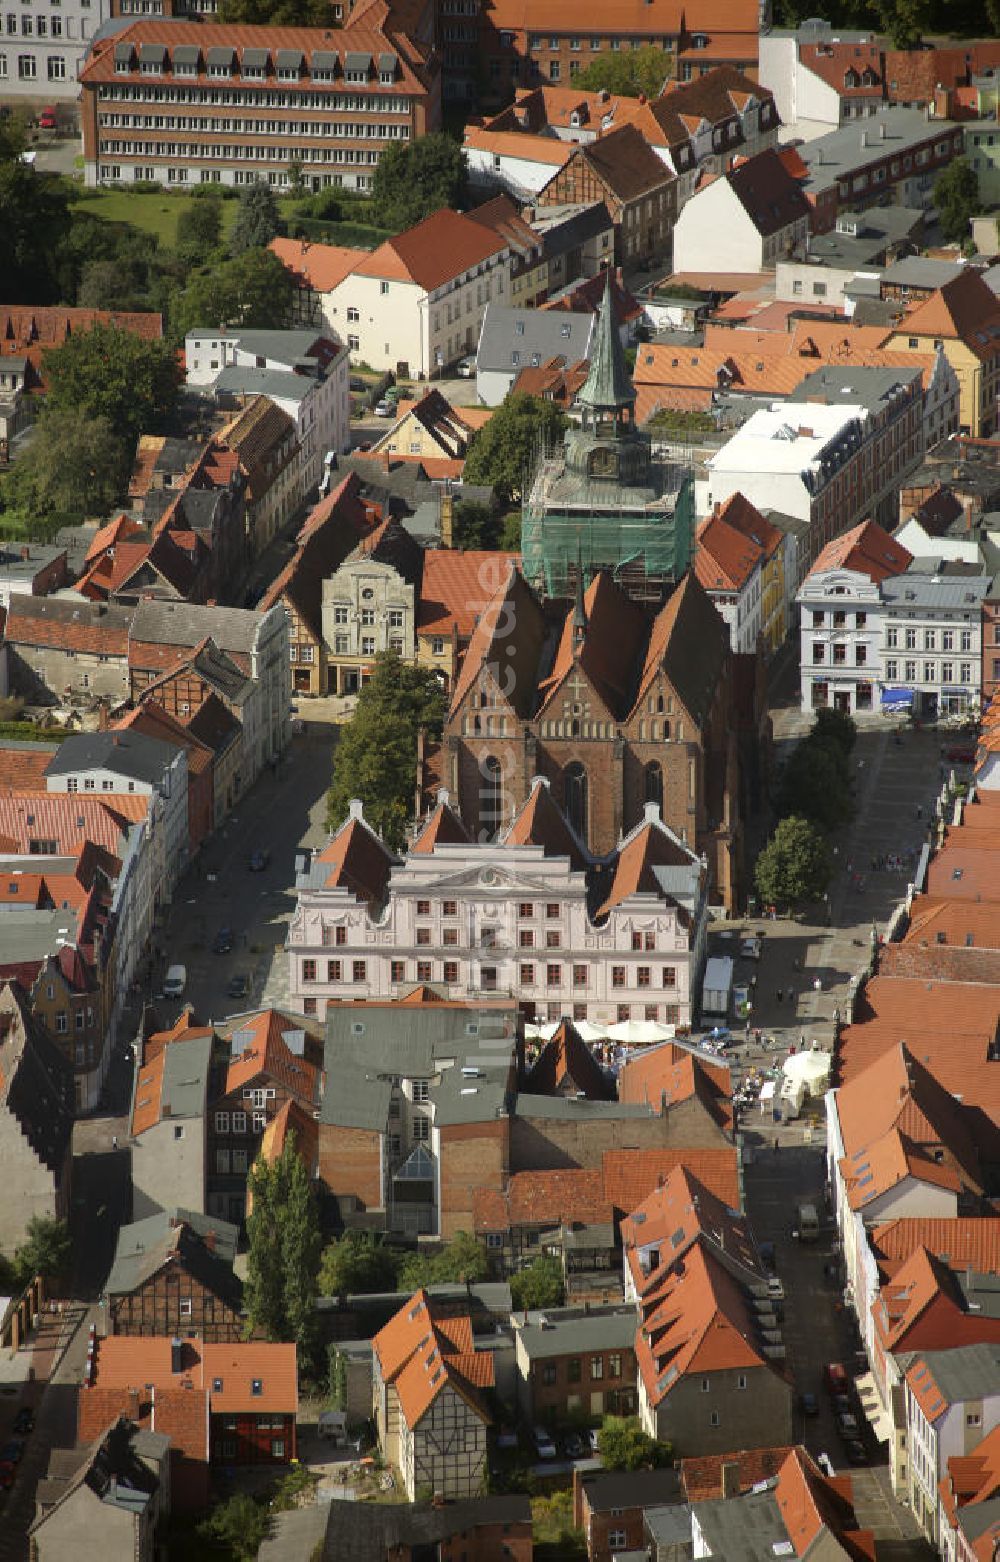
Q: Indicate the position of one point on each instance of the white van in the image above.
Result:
(332, 1426)
(175, 982)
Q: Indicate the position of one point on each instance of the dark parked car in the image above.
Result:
(258, 861)
(223, 943)
(856, 1452)
(574, 1446)
(238, 987)
(11, 1452)
(842, 1405)
(24, 1421)
(847, 1425)
(809, 1404)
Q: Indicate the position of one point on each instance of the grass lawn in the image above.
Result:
(156, 213)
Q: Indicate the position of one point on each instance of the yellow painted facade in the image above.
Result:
(978, 380)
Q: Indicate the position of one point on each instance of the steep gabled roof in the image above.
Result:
(511, 657)
(606, 647)
(443, 827)
(332, 530)
(434, 251)
(650, 845)
(700, 1322)
(668, 1074)
(690, 642)
(541, 822)
(867, 549)
(724, 559)
(966, 309)
(266, 1052)
(897, 1092)
(566, 1062)
(422, 1352)
(768, 193)
(358, 860)
(676, 1215)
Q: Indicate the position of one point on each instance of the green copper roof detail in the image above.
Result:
(608, 383)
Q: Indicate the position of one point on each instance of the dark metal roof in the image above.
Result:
(288, 59)
(223, 55)
(152, 53)
(387, 64)
(324, 60)
(186, 54)
(354, 61)
(255, 59)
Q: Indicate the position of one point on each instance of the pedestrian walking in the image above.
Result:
(779, 993)
(114, 1142)
(775, 1144)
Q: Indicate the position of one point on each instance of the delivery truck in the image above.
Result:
(717, 986)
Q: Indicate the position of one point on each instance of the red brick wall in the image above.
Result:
(473, 1155)
(552, 1399)
(350, 1164)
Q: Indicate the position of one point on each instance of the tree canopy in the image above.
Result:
(815, 783)
(503, 453)
(117, 375)
(277, 13)
(540, 1285)
(36, 222)
(376, 756)
(628, 73)
(254, 289)
(238, 1528)
(358, 1263)
(956, 196)
(795, 866)
(625, 1446)
(284, 1250)
(836, 726)
(258, 220)
(463, 1259)
(46, 1250)
(414, 178)
(75, 466)
(199, 229)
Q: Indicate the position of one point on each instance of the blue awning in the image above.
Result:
(891, 697)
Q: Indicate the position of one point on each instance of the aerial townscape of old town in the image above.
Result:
(499, 781)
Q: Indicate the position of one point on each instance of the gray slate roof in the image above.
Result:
(279, 384)
(143, 1248)
(365, 1532)
(531, 333)
(743, 1529)
(918, 589)
(968, 1372)
(922, 271)
(234, 629)
(128, 753)
(868, 386)
(631, 1488)
(840, 152)
(574, 1330)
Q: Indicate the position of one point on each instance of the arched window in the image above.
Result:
(575, 729)
(575, 793)
(491, 797)
(654, 784)
(659, 702)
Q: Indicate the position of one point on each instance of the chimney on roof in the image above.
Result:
(115, 740)
(356, 809)
(730, 1478)
(176, 1355)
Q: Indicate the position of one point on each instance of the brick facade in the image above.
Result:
(350, 1164)
(158, 1307)
(472, 1155)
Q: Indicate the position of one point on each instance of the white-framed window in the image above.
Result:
(185, 1307)
(222, 1122)
(239, 1122)
(27, 67)
(222, 1161)
(421, 1130)
(421, 1090)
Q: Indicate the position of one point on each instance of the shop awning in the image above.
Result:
(877, 1417)
(892, 697)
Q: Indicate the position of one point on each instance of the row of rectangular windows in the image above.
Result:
(340, 102)
(329, 130)
(336, 969)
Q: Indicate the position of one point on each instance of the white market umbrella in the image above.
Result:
(640, 1033)
(589, 1032)
(543, 1032)
(810, 1069)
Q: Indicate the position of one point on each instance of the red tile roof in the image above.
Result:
(455, 588)
(23, 767)
(702, 1476)
(319, 266)
(566, 1063)
(961, 1243)
(724, 559)
(442, 247)
(605, 648)
(137, 1362)
(867, 549)
(266, 1054)
(69, 819)
(631, 1175)
(854, 70)
(444, 827)
(358, 861)
(646, 848)
(422, 1353)
(666, 1075)
(965, 309)
(575, 1196)
(700, 1321)
(676, 1215)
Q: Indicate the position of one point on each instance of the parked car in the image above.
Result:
(775, 1289)
(574, 1446)
(842, 1405)
(809, 1404)
(175, 981)
(12, 1452)
(24, 1421)
(544, 1446)
(258, 861)
(835, 1377)
(358, 384)
(855, 1451)
(222, 944)
(847, 1425)
(750, 948)
(385, 409)
(466, 368)
(238, 987)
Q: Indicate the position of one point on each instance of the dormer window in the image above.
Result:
(357, 66)
(220, 62)
(288, 64)
(253, 65)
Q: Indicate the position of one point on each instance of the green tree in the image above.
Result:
(47, 1250)
(503, 453)
(199, 229)
(284, 1249)
(238, 1526)
(475, 524)
(795, 866)
(253, 290)
(258, 220)
(463, 1260)
(414, 178)
(277, 13)
(301, 1247)
(36, 221)
(815, 784)
(905, 20)
(112, 374)
(540, 1285)
(75, 465)
(624, 1445)
(628, 73)
(375, 759)
(263, 1291)
(356, 1264)
(956, 196)
(835, 726)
